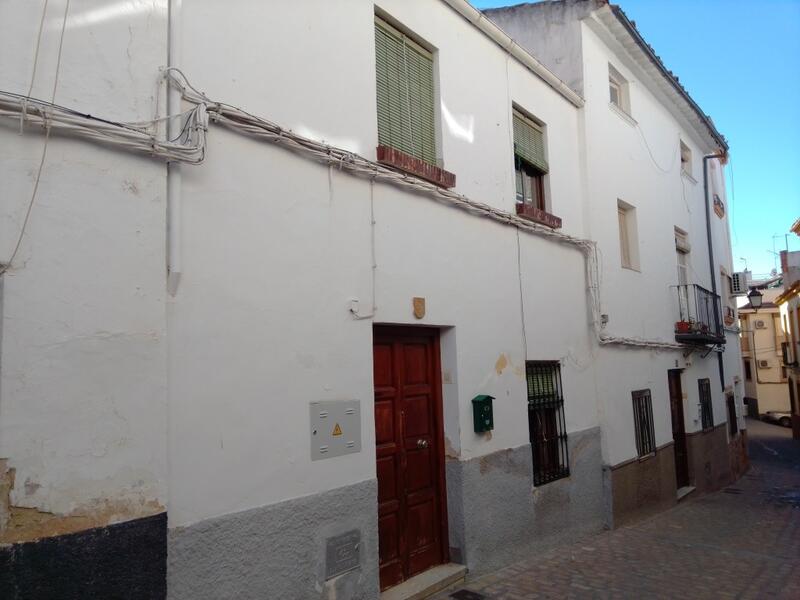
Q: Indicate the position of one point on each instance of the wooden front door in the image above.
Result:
(412, 519)
(678, 429)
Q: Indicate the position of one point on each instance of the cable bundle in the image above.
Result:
(189, 146)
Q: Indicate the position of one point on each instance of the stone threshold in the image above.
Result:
(685, 491)
(427, 583)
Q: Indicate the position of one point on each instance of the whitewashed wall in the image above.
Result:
(275, 247)
(83, 379)
(638, 161)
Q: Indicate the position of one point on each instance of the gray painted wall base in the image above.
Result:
(497, 517)
(277, 551)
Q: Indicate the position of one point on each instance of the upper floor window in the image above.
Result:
(405, 93)
(619, 94)
(530, 164)
(728, 300)
(686, 159)
(628, 236)
(682, 250)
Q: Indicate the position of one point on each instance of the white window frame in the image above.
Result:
(619, 84)
(686, 159)
(628, 236)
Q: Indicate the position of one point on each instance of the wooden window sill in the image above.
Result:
(537, 215)
(415, 166)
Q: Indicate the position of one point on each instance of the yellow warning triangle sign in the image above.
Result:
(337, 430)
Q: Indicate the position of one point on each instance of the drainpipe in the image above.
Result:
(711, 263)
(173, 168)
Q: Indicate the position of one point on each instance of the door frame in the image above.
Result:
(682, 444)
(398, 332)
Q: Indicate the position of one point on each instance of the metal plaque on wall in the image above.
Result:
(342, 553)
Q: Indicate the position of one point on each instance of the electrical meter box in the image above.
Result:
(482, 413)
(335, 428)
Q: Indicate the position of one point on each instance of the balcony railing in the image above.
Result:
(699, 316)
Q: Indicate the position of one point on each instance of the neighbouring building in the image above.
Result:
(394, 287)
(762, 340)
(789, 303)
(647, 149)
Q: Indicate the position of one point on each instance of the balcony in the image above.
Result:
(700, 316)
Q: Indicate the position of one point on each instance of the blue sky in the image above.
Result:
(740, 61)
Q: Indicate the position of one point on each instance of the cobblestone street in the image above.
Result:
(740, 542)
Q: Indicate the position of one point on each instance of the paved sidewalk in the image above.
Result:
(741, 542)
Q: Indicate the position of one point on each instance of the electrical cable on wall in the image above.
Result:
(24, 107)
(653, 158)
(190, 147)
(38, 45)
(521, 299)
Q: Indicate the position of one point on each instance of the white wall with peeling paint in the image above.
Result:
(83, 401)
(276, 246)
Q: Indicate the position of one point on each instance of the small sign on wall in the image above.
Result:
(342, 553)
(419, 307)
(335, 428)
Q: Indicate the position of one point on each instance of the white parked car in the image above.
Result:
(779, 417)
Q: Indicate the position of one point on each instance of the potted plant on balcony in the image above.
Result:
(683, 327)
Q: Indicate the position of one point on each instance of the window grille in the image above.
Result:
(643, 422)
(548, 431)
(405, 93)
(706, 409)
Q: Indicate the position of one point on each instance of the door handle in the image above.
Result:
(422, 443)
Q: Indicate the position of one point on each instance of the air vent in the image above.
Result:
(760, 324)
(739, 283)
(763, 364)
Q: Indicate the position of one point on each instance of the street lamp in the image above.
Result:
(755, 298)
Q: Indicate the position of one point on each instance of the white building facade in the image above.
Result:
(390, 293)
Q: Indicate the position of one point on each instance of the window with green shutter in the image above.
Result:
(529, 142)
(530, 165)
(405, 93)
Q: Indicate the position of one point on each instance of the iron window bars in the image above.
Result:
(706, 410)
(643, 422)
(546, 425)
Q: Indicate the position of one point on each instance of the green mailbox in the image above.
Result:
(482, 414)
